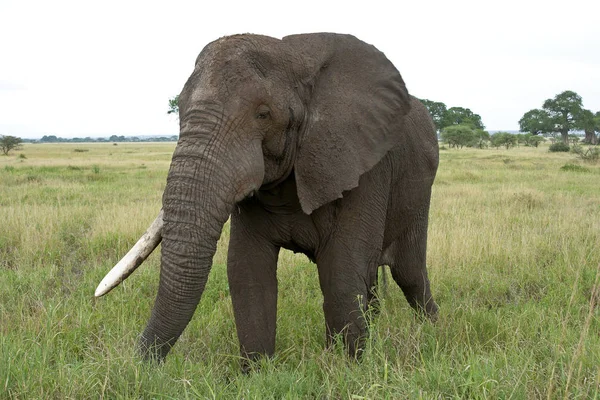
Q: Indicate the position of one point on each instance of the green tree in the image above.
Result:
(462, 116)
(565, 111)
(505, 139)
(535, 122)
(590, 124)
(481, 138)
(533, 140)
(49, 139)
(437, 110)
(458, 135)
(173, 105)
(8, 143)
(115, 138)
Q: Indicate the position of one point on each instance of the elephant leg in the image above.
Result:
(407, 260)
(252, 275)
(345, 297)
(348, 265)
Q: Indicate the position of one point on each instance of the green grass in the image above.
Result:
(513, 259)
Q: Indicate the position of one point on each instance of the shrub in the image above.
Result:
(591, 155)
(559, 146)
(22, 156)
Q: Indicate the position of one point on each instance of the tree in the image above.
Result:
(533, 140)
(503, 139)
(536, 122)
(173, 105)
(590, 124)
(458, 135)
(115, 138)
(8, 143)
(437, 110)
(565, 111)
(49, 139)
(462, 116)
(444, 117)
(481, 138)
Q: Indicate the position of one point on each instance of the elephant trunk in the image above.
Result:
(202, 188)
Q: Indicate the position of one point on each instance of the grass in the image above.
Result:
(513, 259)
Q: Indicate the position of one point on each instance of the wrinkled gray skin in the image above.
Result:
(310, 143)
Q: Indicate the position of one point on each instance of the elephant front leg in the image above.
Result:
(346, 281)
(251, 270)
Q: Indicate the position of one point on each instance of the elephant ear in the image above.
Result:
(356, 103)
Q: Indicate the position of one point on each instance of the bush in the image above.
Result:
(559, 146)
(591, 155)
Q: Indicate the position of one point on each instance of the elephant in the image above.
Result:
(310, 143)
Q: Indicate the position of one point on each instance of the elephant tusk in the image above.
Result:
(134, 258)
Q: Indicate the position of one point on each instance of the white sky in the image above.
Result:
(79, 68)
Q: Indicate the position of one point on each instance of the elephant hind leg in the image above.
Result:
(377, 290)
(406, 257)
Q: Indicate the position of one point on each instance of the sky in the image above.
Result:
(81, 68)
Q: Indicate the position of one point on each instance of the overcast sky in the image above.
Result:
(79, 68)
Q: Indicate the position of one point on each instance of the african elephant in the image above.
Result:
(311, 143)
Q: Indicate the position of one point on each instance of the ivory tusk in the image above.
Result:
(134, 258)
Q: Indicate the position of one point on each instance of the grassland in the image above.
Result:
(514, 261)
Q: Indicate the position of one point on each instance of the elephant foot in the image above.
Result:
(250, 363)
(428, 311)
(152, 349)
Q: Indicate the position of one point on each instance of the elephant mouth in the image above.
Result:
(134, 257)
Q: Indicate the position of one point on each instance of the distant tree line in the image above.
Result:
(113, 138)
(459, 136)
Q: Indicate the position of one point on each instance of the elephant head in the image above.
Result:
(325, 107)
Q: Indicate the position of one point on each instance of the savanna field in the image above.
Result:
(513, 257)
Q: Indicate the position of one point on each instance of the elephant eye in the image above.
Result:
(263, 112)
